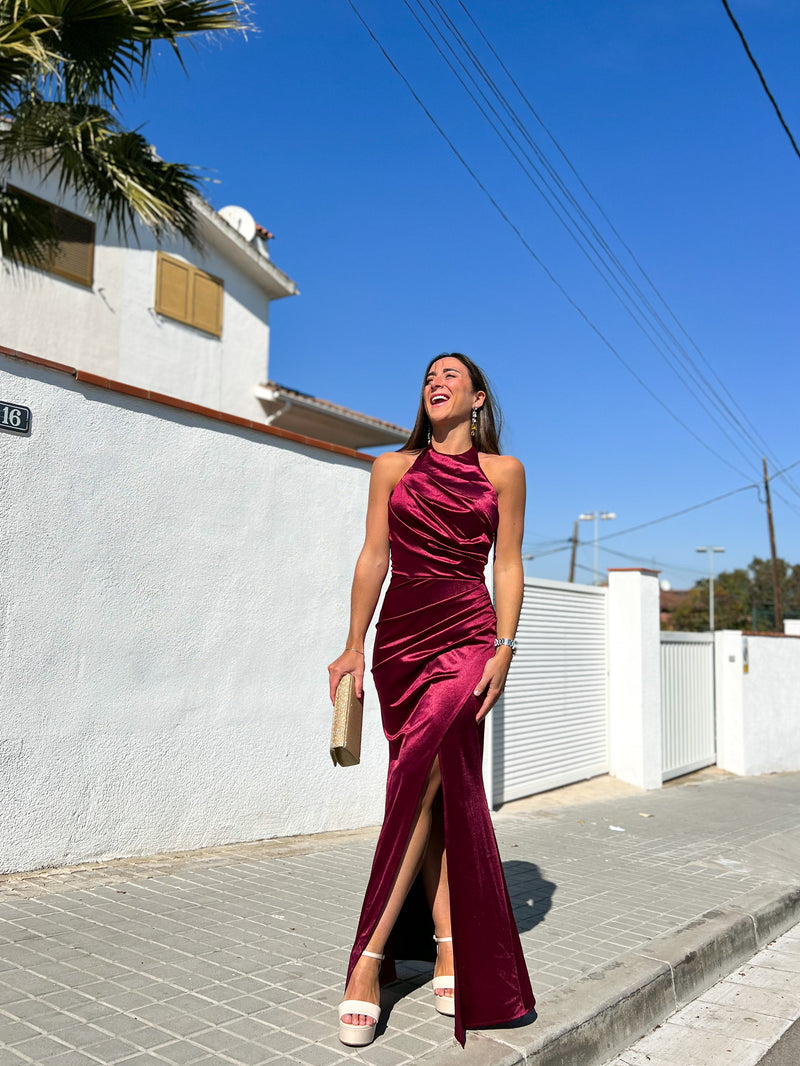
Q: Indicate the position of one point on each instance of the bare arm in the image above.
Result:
(508, 477)
(370, 572)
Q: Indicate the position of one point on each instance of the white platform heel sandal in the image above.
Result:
(444, 1004)
(359, 1035)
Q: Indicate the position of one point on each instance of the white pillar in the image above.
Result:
(729, 675)
(634, 681)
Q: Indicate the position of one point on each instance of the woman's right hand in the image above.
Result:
(349, 662)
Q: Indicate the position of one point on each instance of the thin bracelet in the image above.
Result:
(355, 650)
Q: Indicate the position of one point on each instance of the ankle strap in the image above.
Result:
(442, 939)
(372, 954)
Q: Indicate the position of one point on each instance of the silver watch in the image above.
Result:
(508, 643)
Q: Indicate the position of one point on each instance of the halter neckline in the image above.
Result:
(453, 455)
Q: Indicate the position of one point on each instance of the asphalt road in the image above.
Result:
(787, 1051)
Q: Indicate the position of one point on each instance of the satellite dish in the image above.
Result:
(241, 220)
(665, 585)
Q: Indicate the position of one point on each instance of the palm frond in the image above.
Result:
(63, 66)
(114, 170)
(98, 48)
(23, 56)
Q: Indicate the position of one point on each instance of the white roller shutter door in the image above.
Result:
(552, 726)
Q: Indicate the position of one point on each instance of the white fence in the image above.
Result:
(688, 736)
(552, 726)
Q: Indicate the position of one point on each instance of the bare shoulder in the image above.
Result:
(389, 467)
(504, 471)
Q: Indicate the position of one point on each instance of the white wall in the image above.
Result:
(758, 711)
(113, 330)
(171, 591)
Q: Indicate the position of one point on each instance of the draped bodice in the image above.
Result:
(442, 517)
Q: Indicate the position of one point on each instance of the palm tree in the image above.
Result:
(63, 66)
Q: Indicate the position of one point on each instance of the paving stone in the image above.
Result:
(315, 1055)
(783, 1004)
(39, 1048)
(745, 1024)
(182, 1053)
(11, 1058)
(13, 1032)
(141, 1034)
(9, 994)
(70, 1058)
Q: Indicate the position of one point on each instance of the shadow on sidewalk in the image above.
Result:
(531, 895)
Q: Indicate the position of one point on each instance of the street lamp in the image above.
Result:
(710, 550)
(594, 516)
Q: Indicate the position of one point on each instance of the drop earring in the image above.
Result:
(473, 429)
(429, 434)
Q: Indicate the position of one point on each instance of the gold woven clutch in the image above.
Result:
(346, 730)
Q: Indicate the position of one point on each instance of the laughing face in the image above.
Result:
(448, 393)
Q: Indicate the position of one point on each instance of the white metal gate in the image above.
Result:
(552, 726)
(688, 733)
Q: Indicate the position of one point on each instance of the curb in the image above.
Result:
(593, 1019)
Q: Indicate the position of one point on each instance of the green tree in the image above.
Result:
(743, 599)
(64, 65)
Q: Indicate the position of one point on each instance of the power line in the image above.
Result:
(654, 562)
(761, 77)
(528, 247)
(595, 247)
(619, 237)
(591, 244)
(663, 518)
(566, 544)
(698, 506)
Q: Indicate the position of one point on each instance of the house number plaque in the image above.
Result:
(15, 417)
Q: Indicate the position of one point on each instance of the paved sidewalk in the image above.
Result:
(236, 955)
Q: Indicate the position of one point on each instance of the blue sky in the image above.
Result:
(399, 255)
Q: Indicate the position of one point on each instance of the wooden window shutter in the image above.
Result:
(207, 303)
(172, 288)
(189, 295)
(74, 258)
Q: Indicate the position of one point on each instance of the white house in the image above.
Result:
(164, 316)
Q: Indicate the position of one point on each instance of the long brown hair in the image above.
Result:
(490, 420)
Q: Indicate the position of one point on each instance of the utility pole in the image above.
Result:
(776, 582)
(574, 551)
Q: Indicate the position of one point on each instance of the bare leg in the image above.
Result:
(437, 889)
(363, 983)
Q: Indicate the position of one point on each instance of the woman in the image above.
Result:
(440, 663)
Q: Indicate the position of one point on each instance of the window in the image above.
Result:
(189, 295)
(73, 258)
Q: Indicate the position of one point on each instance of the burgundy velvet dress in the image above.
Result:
(435, 634)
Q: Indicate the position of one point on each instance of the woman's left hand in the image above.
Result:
(493, 681)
